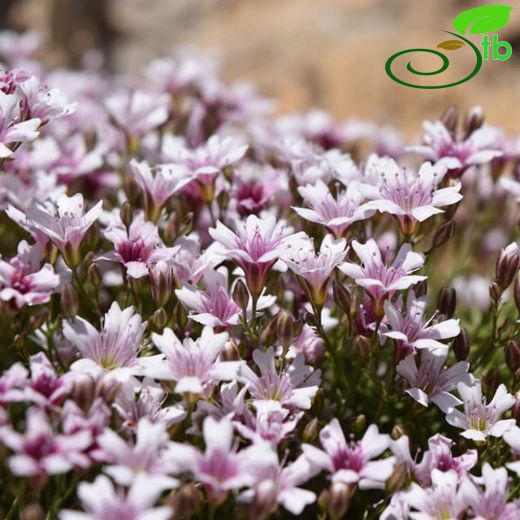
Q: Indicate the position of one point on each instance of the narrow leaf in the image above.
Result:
(484, 19)
(451, 45)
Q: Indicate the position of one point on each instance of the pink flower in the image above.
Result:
(14, 130)
(444, 499)
(295, 386)
(351, 462)
(193, 365)
(137, 248)
(23, 282)
(159, 185)
(115, 348)
(137, 112)
(431, 381)
(12, 384)
(412, 333)
(275, 483)
(220, 468)
(382, 281)
(102, 501)
(457, 153)
(315, 268)
(64, 223)
(40, 451)
(337, 213)
(411, 198)
(479, 418)
(147, 455)
(492, 501)
(255, 247)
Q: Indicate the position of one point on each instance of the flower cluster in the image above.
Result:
(211, 313)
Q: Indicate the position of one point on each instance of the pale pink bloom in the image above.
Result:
(137, 248)
(23, 281)
(379, 279)
(512, 437)
(444, 499)
(315, 268)
(102, 501)
(440, 457)
(410, 197)
(472, 291)
(275, 483)
(215, 306)
(193, 365)
(270, 422)
(411, 332)
(431, 381)
(12, 384)
(115, 348)
(479, 418)
(14, 129)
(41, 451)
(161, 183)
(438, 144)
(220, 468)
(45, 388)
(311, 345)
(146, 455)
(255, 247)
(64, 223)
(336, 212)
(293, 386)
(137, 400)
(231, 403)
(17, 47)
(351, 462)
(138, 112)
(492, 501)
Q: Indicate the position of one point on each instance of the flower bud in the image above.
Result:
(362, 345)
(447, 301)
(83, 391)
(32, 512)
(268, 335)
(515, 411)
(336, 499)
(421, 288)
(495, 292)
(126, 214)
(461, 345)
(159, 319)
(161, 277)
(512, 355)
(491, 381)
(285, 328)
(240, 294)
(69, 301)
(359, 425)
(443, 233)
(474, 120)
(264, 501)
(450, 119)
(397, 432)
(516, 292)
(397, 479)
(230, 352)
(186, 502)
(507, 266)
(108, 389)
(71, 255)
(255, 278)
(94, 276)
(186, 225)
(342, 297)
(38, 318)
(310, 432)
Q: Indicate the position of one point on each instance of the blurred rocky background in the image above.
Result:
(304, 53)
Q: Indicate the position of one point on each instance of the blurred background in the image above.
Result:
(328, 54)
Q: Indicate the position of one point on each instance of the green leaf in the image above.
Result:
(484, 19)
(451, 45)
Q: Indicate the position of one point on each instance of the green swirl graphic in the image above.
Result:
(442, 68)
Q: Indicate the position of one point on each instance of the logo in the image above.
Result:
(485, 20)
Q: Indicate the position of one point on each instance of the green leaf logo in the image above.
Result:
(485, 19)
(451, 45)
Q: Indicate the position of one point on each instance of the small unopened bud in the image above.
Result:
(397, 479)
(126, 214)
(409, 225)
(69, 301)
(94, 276)
(461, 345)
(38, 319)
(108, 389)
(359, 425)
(515, 411)
(447, 301)
(310, 432)
(264, 501)
(268, 336)
(342, 297)
(421, 288)
(397, 432)
(255, 278)
(491, 381)
(516, 291)
(170, 229)
(83, 391)
(285, 328)
(338, 500)
(159, 319)
(507, 266)
(362, 346)
(512, 355)
(71, 255)
(474, 120)
(161, 277)
(186, 502)
(495, 292)
(443, 233)
(186, 225)
(241, 294)
(230, 352)
(450, 119)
